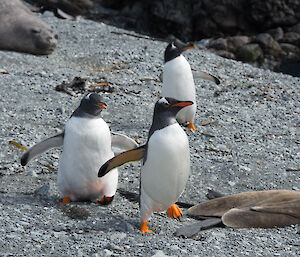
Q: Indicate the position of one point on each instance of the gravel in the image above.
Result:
(251, 143)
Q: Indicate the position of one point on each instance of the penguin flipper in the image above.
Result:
(121, 143)
(41, 147)
(206, 76)
(128, 156)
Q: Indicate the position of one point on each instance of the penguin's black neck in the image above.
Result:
(161, 121)
(79, 113)
(169, 56)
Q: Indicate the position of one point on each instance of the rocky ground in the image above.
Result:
(247, 138)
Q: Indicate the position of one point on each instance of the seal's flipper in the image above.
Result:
(291, 208)
(206, 76)
(247, 218)
(217, 207)
(121, 143)
(128, 156)
(41, 147)
(193, 229)
(212, 194)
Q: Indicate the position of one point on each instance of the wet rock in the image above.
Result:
(236, 42)
(290, 37)
(295, 28)
(289, 48)
(277, 33)
(268, 44)
(75, 212)
(219, 44)
(250, 53)
(225, 54)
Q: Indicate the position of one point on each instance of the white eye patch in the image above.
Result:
(163, 100)
(173, 46)
(88, 96)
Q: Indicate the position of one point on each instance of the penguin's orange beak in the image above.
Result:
(188, 47)
(182, 104)
(102, 105)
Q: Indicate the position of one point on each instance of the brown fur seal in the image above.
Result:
(260, 209)
(22, 31)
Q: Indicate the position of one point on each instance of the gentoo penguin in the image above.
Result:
(86, 143)
(166, 162)
(178, 81)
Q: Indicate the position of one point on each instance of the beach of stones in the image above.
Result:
(247, 138)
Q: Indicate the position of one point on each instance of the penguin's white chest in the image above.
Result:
(178, 83)
(87, 145)
(166, 170)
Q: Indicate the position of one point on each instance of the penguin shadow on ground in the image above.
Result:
(94, 217)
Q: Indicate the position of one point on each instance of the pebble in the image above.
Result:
(159, 253)
(118, 236)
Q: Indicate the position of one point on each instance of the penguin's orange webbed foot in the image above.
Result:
(105, 200)
(174, 212)
(65, 200)
(191, 126)
(144, 228)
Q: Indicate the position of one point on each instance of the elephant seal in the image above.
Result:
(22, 31)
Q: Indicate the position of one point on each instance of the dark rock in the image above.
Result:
(271, 13)
(225, 54)
(236, 42)
(205, 28)
(290, 37)
(75, 212)
(47, 191)
(219, 44)
(277, 33)
(124, 226)
(289, 48)
(268, 44)
(295, 28)
(189, 20)
(250, 53)
(289, 66)
(71, 7)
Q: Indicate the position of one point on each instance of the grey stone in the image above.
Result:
(106, 253)
(290, 37)
(250, 53)
(225, 54)
(125, 226)
(219, 44)
(268, 44)
(47, 191)
(277, 33)
(118, 236)
(159, 253)
(289, 48)
(236, 42)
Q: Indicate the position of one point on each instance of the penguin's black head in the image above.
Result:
(165, 112)
(92, 104)
(175, 48)
(170, 106)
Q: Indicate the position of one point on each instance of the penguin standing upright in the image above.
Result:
(178, 81)
(86, 143)
(166, 162)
